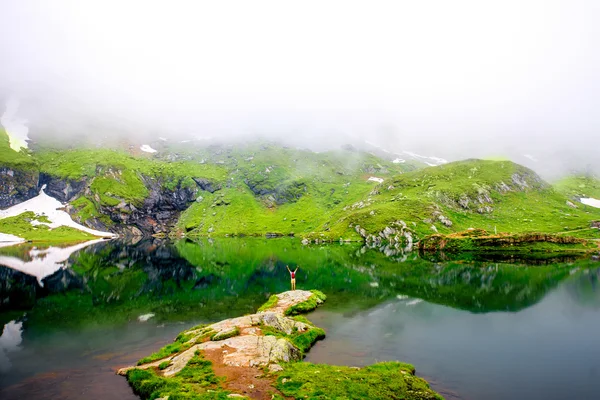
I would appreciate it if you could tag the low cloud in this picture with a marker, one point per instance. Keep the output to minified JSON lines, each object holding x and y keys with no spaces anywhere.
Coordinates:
{"x":452,"y":79}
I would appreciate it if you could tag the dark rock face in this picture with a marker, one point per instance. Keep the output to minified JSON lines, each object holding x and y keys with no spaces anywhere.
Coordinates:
{"x":160,"y":210}
{"x":207,"y":185}
{"x":61,"y":189}
{"x":158,"y":213}
{"x":17,"y":186}
{"x":289,"y":192}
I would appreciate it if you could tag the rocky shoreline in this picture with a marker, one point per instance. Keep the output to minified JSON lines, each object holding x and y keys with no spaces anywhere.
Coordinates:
{"x":259,"y":356}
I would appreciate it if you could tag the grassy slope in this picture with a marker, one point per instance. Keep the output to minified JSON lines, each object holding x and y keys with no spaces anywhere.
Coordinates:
{"x":273,"y":189}
{"x":118,"y":176}
{"x":11,"y":158}
{"x":20,"y":226}
{"x":417,"y":195}
{"x":579,"y":186}
{"x":312,"y":187}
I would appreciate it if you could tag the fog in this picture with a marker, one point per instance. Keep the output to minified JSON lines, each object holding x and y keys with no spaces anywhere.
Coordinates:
{"x":452,"y":79}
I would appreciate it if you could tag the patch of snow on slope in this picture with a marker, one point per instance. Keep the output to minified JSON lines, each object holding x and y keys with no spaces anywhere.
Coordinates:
{"x":398,"y":161}
{"x":10,"y":341}
{"x":43,"y":263}
{"x":43,"y":204}
{"x":532,"y":158}
{"x":590,"y":202}
{"x":431,"y":161}
{"x":375,"y":179}
{"x":147,"y":149}
{"x":15,"y":128}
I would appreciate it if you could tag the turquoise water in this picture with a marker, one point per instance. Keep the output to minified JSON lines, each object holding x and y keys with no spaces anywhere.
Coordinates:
{"x":475,"y":329}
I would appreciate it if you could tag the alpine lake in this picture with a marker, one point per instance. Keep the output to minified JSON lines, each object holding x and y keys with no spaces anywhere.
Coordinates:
{"x":497,"y":326}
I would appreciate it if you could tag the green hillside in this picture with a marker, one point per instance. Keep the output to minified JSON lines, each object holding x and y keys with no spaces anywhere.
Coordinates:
{"x":579,"y":186}
{"x":267,"y":189}
{"x":492,"y":195}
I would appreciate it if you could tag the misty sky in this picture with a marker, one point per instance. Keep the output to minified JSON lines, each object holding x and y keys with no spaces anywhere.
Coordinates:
{"x":455,"y":78}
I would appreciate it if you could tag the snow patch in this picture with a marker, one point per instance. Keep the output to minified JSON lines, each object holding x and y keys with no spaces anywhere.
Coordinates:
{"x":590,"y":202}
{"x":43,"y":204}
{"x":375,"y":179}
{"x":44,"y":262}
{"x":399,"y":161}
{"x":147,"y":149}
{"x":145,"y":317}
{"x":431,"y":161}
{"x":15,"y":127}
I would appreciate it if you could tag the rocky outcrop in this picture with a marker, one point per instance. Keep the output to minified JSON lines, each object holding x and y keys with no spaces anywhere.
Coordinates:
{"x":207,"y":185}
{"x":241,"y":342}
{"x":272,"y":196}
{"x":64,"y":190}
{"x":157,"y":214}
{"x":17,"y":186}
{"x":397,"y":236}
{"x":254,"y":356}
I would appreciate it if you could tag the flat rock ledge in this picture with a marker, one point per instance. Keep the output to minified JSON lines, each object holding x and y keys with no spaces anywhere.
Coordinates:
{"x":242,"y":341}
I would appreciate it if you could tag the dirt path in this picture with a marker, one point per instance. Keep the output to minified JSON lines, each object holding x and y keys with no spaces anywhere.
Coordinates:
{"x":247,"y":381}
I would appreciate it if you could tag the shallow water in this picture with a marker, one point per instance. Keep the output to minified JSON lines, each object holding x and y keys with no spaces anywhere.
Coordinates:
{"x":474,"y":329}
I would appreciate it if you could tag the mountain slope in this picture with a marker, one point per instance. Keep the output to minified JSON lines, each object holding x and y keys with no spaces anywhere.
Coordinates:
{"x":490,"y":195}
{"x":267,"y":189}
{"x":579,"y":186}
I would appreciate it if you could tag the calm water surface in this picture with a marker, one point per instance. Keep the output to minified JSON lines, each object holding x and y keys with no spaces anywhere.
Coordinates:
{"x":483,"y":329}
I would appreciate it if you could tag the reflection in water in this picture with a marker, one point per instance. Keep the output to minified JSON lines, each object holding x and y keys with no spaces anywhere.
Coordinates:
{"x":42,"y":262}
{"x":92,"y":313}
{"x":9,"y":343}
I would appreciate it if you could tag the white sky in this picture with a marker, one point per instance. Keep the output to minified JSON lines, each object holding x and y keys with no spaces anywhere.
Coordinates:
{"x":400,"y":71}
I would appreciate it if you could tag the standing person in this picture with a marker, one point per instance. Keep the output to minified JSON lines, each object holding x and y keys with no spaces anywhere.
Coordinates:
{"x":292,"y":276}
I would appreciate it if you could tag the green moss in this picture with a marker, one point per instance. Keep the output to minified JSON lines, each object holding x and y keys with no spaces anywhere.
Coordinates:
{"x":164,"y":365}
{"x":304,"y":341}
{"x":389,"y":380}
{"x":168,"y":350}
{"x":196,"y":381}
{"x":226,"y":334}
{"x":309,"y":304}
{"x":272,"y":302}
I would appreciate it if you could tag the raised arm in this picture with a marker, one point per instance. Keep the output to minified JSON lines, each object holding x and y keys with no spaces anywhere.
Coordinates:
{"x":288,"y":268}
